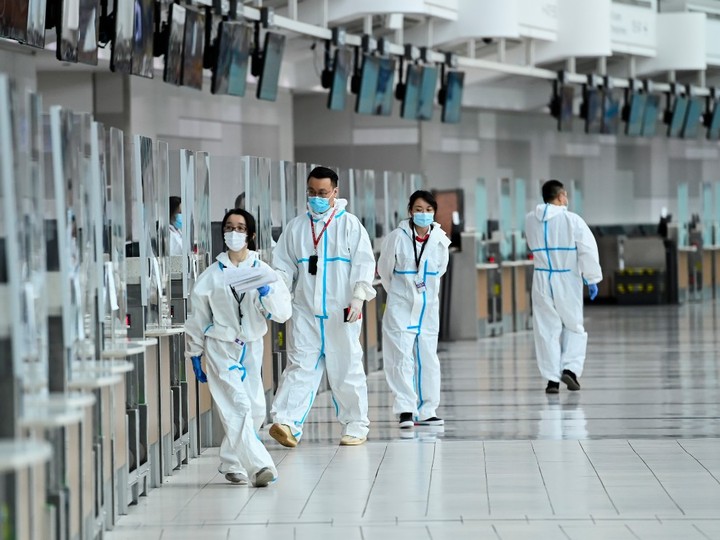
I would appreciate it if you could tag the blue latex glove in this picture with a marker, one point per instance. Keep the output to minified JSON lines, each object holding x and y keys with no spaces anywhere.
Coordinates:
{"x":197,"y":368}
{"x":264,"y":290}
{"x":593,"y":290}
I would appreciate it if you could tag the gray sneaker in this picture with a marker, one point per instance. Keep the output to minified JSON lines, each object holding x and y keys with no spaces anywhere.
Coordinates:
{"x":236,"y":478}
{"x":263,"y":477}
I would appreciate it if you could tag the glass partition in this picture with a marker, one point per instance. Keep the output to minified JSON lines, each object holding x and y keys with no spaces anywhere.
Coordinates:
{"x":201,"y":249}
{"x":519,"y":222}
{"x":162,"y":193}
{"x":115,"y":267}
{"x":258,"y":196}
{"x":506,"y":219}
{"x":481,"y":219}
{"x":716,"y":240}
{"x":707,"y":213}
{"x":682,"y":215}
{"x":187,"y":190}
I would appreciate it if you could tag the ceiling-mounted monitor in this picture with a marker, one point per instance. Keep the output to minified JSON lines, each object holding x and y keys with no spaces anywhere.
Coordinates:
{"x":143,"y":34}
{"x":428,"y":88}
{"x":272,"y":56}
{"x":692,"y":118}
{"x":193,"y":49}
{"x":636,"y":115}
{"x":565,"y":116}
{"x":650,"y":115}
{"x":713,"y":132}
{"x":610,"y":113}
{"x":122,"y":43}
{"x":14,"y":19}
{"x":384,"y":90}
{"x":365,"y":103}
{"x":452,"y":103}
{"x":593,"y":111}
{"x":411,"y":97}
{"x":677,"y":116}
{"x":233,"y":57}
{"x":174,"y":55}
{"x":78,"y":32}
{"x":342,"y":64}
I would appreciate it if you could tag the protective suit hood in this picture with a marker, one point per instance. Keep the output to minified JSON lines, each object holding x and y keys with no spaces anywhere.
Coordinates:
{"x":547,"y":211}
{"x":249,"y":260}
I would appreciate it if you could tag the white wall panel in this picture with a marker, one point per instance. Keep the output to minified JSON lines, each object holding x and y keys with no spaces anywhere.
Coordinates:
{"x":583,"y":30}
{"x":681,"y":43}
{"x":538,"y":19}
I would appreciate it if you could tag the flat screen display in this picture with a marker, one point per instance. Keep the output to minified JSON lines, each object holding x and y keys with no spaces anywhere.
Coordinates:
{"x":428,"y":86}
{"x":122,"y":44}
{"x":174,"y":56}
{"x":714,"y":130}
{"x":341,"y":71}
{"x":692,"y":119}
{"x":567,"y":97}
{"x":677,"y":120}
{"x":365,"y":103}
{"x":453,"y":97}
{"x":142,"y":56}
{"x":272,"y":60}
{"x":384,"y":89}
{"x":409,"y":109}
{"x":35,"y":23}
{"x":88,"y":38}
{"x":650,"y":115}
{"x":594,"y":112}
{"x":637,"y":115}
{"x":193,"y":49}
{"x":14,"y":19}
{"x":234,"y":46}
{"x":611,"y":113}
{"x":69,"y":31}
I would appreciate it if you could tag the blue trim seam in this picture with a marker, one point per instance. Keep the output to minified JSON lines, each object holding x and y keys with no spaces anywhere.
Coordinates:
{"x":337,"y":408}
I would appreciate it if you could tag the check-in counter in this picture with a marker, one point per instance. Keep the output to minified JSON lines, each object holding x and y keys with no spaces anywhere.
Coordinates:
{"x":686,"y":270}
{"x":22,"y":493}
{"x":711,"y":269}
{"x":516,"y":283}
{"x":488,"y":291}
{"x":171,"y":446}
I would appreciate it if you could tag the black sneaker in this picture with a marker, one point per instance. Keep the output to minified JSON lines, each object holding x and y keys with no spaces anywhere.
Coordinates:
{"x":406,"y":420}
{"x":432,"y":421}
{"x":570,"y":379}
{"x":552,"y":387}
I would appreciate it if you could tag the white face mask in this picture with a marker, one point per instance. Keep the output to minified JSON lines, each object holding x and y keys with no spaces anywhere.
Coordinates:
{"x":234,"y":240}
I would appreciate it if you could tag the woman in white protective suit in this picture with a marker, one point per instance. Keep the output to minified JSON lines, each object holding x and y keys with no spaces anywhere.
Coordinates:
{"x":227,"y":328}
{"x":413,"y":259}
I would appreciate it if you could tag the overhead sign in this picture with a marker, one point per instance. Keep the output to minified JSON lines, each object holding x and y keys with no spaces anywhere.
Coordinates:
{"x":633,"y":27}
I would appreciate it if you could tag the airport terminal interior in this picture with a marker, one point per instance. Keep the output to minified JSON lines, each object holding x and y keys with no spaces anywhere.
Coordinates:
{"x":129,"y":128}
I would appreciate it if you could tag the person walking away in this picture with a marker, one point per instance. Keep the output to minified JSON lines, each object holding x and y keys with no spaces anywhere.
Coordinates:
{"x":565,"y":255}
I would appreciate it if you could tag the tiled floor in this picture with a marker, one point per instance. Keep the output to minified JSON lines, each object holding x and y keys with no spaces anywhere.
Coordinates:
{"x":634,"y":454}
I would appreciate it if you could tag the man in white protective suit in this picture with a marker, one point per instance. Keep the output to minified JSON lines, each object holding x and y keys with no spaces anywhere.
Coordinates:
{"x":565,"y":255}
{"x":226,"y":327}
{"x":326,"y":258}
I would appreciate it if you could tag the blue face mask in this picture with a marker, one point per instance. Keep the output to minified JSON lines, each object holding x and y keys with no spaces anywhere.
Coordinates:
{"x":319,"y":205}
{"x":423,"y":219}
{"x":178,"y":221}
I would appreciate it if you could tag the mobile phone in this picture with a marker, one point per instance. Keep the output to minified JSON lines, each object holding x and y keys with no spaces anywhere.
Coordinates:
{"x":346,"y":314}
{"x":312,"y":265}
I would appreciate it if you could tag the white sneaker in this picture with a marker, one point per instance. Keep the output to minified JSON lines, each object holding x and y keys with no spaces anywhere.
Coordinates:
{"x":349,"y":440}
{"x":236,"y":478}
{"x":263,"y":477}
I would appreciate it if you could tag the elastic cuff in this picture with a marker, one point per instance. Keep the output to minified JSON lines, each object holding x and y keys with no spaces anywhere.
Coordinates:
{"x":364,"y":291}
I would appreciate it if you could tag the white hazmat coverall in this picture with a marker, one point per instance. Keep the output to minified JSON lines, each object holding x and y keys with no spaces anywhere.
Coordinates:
{"x":412,"y":318}
{"x":233,"y":358}
{"x":565,"y":253}
{"x":320,"y":339}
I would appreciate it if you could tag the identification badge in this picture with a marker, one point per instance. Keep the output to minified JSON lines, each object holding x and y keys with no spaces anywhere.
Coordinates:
{"x":420,"y":286}
{"x":312,"y":265}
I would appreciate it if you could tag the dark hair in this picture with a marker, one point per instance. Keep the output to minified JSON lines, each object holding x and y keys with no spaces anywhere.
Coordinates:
{"x":174,"y":205}
{"x":323,"y":172}
{"x":249,"y":224}
{"x":551,"y":190}
{"x":240,"y":200}
{"x":424,"y":195}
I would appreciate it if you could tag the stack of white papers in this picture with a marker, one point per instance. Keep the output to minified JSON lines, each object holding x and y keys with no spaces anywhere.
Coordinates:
{"x":247,"y":279}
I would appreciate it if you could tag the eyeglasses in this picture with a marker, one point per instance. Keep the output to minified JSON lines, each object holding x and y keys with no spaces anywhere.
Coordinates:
{"x":323,"y":194}
{"x":239,"y":228}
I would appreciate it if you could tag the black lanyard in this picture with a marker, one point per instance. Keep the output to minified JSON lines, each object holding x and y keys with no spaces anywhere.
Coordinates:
{"x":422,"y":249}
{"x":239,"y":300}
